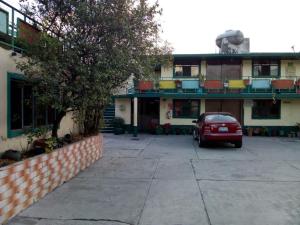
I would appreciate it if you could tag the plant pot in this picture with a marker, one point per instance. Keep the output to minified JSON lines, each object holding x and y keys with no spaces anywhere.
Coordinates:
{"x":12,"y":155}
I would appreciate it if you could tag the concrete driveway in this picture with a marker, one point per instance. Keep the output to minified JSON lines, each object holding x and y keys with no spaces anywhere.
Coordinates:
{"x":169,"y":180}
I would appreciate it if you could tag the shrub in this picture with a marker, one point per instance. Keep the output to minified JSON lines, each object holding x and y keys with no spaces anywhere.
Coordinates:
{"x":118,"y":122}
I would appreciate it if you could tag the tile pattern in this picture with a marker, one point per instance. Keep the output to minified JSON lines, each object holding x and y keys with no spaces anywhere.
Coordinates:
{"x":24,"y":183}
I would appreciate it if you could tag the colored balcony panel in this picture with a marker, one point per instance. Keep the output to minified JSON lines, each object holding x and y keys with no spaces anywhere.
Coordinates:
{"x":190,"y":84}
{"x":167,"y":84}
{"x":236,"y":84}
{"x":283,"y":84}
{"x":145,"y":85}
{"x":261,"y":84}
{"x":213,"y":84}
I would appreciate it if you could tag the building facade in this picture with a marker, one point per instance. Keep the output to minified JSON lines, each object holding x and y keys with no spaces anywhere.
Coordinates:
{"x":262,"y":90}
{"x":18,"y":110}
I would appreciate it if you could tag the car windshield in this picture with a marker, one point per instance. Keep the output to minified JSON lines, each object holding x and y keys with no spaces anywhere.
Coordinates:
{"x":220,"y":118}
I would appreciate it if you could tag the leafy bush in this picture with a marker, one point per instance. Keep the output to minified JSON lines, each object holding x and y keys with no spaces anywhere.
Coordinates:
{"x":118,"y":122}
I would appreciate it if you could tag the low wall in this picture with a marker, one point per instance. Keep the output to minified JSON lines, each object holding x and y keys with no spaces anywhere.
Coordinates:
{"x":25,"y":182}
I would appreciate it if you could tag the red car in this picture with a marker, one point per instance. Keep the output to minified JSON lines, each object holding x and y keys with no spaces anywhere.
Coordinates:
{"x":218,"y":127}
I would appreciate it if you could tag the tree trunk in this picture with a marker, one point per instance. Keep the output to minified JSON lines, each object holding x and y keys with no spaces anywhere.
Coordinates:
{"x":56,"y":123}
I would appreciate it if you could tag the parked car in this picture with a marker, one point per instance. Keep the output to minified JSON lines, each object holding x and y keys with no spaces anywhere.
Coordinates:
{"x":218,"y":127}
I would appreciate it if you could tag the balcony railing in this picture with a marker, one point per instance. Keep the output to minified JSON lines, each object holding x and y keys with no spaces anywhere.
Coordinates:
{"x":14,"y":24}
{"x":245,"y":86}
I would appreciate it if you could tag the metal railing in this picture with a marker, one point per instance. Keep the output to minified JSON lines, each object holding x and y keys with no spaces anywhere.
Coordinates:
{"x":13,"y":15}
{"x":225,"y":89}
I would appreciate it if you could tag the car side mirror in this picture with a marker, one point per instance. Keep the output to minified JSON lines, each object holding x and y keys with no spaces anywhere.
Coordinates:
{"x":194,"y":121}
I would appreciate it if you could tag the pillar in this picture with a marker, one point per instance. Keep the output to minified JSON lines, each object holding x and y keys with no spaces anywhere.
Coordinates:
{"x":135,"y":116}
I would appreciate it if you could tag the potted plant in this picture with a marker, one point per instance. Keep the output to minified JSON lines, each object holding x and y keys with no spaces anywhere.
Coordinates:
{"x":201,"y":80}
{"x":167,"y":128}
{"x":118,"y":124}
{"x":159,"y":130}
{"x":178,"y":84}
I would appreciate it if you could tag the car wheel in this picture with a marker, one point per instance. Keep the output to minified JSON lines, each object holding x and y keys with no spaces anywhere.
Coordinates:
{"x":201,"y":143}
{"x":238,"y":144}
{"x":195,"y":135}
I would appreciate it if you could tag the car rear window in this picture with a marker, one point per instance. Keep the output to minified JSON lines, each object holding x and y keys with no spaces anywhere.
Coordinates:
{"x":220,"y":118}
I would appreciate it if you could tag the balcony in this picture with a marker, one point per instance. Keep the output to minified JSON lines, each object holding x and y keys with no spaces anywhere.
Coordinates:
{"x":15,"y":27}
{"x":247,"y":88}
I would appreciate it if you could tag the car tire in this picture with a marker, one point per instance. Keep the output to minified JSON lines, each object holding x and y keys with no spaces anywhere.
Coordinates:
{"x":195,"y":135}
{"x":201,"y":143}
{"x":238,"y":144}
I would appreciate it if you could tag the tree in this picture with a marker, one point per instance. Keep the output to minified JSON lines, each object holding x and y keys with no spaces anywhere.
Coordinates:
{"x":87,"y":49}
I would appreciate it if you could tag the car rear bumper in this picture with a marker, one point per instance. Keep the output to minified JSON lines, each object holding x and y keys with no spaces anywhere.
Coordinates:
{"x":222,"y":137}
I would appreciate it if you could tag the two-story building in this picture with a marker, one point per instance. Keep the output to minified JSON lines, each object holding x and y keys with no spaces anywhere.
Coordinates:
{"x":262,"y":90}
{"x":18,"y":110}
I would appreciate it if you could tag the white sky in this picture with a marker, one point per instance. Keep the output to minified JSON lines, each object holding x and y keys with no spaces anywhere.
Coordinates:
{"x":191,"y":26}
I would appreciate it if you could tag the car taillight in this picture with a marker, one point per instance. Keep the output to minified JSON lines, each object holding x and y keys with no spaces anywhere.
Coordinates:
{"x":207,"y":129}
{"x":239,"y":130}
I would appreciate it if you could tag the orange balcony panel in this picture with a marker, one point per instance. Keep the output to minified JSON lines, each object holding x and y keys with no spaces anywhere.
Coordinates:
{"x":283,"y":84}
{"x":213,"y":84}
{"x":144,"y":85}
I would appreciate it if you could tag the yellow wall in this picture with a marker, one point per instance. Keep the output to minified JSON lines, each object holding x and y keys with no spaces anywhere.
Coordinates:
{"x":203,"y":67}
{"x":123,"y":109}
{"x":283,"y":68}
{"x":166,"y":104}
{"x":8,"y":64}
{"x":290,"y":111}
{"x":246,"y":69}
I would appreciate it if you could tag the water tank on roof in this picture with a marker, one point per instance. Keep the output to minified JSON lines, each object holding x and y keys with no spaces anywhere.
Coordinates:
{"x":235,"y":37}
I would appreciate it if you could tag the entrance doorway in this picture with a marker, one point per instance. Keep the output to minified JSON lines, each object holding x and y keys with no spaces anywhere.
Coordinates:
{"x":148,"y":113}
{"x":232,"y":106}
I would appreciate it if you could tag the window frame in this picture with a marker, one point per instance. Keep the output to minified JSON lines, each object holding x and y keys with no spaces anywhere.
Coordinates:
{"x":17,"y":132}
{"x":7,"y":20}
{"x":188,"y":64}
{"x":270,"y":64}
{"x":266,"y":118}
{"x":187,"y":117}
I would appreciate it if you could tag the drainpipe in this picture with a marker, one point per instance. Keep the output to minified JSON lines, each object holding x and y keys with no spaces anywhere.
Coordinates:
{"x":135,"y":116}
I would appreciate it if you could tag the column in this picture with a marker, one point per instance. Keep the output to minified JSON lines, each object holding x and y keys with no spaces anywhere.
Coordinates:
{"x":135,"y":116}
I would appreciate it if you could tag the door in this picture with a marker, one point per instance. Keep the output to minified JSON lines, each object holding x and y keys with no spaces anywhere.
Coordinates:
{"x":148,"y":113}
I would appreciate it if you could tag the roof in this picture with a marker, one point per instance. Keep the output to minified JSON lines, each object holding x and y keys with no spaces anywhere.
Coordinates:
{"x":250,"y":55}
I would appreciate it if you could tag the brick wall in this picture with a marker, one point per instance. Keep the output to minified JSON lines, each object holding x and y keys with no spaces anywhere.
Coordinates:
{"x":23,"y":183}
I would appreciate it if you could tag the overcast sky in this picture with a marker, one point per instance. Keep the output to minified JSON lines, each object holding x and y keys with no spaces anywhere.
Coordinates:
{"x":191,"y":26}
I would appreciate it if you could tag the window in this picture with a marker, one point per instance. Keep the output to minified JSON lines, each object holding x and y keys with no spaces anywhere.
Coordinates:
{"x":266,"y":68}
{"x":24,"y":111}
{"x":3,"y":21}
{"x":223,"y":70}
{"x":220,"y":118}
{"x":186,"y":70}
{"x":266,"y":109}
{"x":185,"y":108}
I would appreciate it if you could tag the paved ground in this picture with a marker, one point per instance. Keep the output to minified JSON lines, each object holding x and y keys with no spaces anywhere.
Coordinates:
{"x":168,"y":180}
